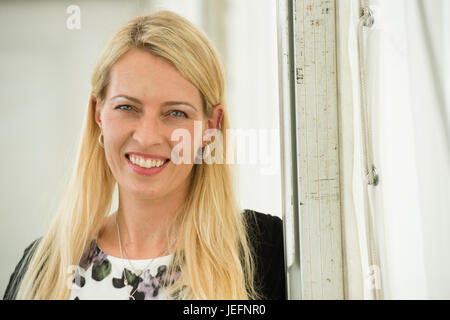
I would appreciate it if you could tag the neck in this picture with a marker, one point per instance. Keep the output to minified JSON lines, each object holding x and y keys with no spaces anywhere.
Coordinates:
{"x":144,"y":223}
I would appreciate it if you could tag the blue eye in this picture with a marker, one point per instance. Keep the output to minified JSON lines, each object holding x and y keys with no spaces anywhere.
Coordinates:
{"x":124,"y":105}
{"x":179,"y":113}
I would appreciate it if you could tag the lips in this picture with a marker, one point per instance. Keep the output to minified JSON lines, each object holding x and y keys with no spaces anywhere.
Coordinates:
{"x":127,"y":156}
{"x":146,"y":156}
{"x":147,"y":171}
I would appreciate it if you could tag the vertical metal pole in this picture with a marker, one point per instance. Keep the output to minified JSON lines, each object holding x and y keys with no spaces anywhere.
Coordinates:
{"x":288,"y":148}
{"x":309,"y":106}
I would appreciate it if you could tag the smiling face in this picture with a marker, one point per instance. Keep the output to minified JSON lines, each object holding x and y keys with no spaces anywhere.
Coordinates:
{"x":146,"y":100}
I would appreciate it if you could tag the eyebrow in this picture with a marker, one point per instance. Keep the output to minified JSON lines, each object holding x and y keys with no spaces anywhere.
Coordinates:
{"x":165,"y":104}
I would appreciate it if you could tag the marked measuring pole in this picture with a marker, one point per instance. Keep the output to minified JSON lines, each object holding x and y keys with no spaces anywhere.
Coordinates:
{"x":314,"y":138}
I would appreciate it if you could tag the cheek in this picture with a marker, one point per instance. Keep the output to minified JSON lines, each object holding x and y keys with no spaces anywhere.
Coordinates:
{"x":116,"y":125}
{"x":114,"y":138}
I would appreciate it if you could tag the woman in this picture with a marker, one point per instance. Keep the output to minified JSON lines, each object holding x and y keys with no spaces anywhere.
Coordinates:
{"x":178,"y":232}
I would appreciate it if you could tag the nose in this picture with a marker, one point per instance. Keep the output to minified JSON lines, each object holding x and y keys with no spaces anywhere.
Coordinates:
{"x":149,"y":130}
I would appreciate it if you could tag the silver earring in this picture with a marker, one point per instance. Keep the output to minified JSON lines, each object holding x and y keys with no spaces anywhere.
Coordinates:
{"x":207,"y":150}
{"x":100,"y":141}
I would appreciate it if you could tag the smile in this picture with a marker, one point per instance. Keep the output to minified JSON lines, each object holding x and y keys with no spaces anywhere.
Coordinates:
{"x":146,"y":167}
{"x":149,"y":163}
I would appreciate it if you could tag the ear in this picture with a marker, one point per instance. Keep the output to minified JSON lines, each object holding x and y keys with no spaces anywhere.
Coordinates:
{"x":214,"y":122}
{"x":97,"y":113}
{"x":216,"y":119}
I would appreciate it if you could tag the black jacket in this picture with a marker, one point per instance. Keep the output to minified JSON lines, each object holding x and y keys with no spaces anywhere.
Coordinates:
{"x":266,"y":237}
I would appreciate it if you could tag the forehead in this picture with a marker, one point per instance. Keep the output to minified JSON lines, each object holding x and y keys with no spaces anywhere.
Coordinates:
{"x":151,"y":79}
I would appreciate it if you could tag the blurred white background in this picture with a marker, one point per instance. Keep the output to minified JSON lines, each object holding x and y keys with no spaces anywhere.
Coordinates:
{"x":45,"y":84}
{"x":407,"y":62}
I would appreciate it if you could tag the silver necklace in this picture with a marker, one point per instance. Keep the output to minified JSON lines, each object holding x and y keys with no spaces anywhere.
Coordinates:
{"x":138,"y":272}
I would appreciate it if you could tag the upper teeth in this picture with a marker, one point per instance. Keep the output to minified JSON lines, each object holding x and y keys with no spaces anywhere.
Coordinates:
{"x":146,"y":163}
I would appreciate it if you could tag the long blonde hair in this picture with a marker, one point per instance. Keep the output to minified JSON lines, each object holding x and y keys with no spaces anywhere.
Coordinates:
{"x":212,"y":249}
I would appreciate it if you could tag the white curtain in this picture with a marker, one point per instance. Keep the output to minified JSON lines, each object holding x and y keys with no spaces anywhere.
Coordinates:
{"x":406,"y":219}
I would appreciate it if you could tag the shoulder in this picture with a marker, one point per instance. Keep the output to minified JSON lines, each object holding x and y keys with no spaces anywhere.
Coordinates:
{"x":19,"y":271}
{"x":264,"y":229}
{"x":265,"y":233}
{"x":266,"y":221}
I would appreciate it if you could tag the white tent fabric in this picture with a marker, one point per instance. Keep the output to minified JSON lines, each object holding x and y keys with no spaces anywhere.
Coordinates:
{"x":407,"y":61}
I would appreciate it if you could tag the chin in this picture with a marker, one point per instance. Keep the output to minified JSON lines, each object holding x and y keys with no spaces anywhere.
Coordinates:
{"x":147,"y":194}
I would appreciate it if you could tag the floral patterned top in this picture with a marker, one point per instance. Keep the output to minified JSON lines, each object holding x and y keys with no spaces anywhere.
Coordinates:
{"x":101,"y":276}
